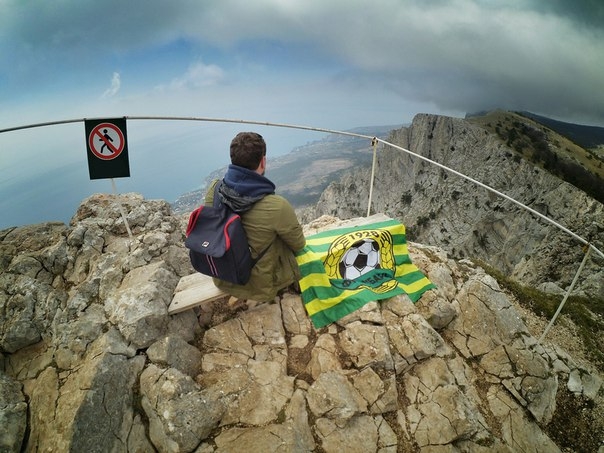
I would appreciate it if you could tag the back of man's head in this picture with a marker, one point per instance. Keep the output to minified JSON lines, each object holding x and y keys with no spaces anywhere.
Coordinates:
{"x":247,"y":150}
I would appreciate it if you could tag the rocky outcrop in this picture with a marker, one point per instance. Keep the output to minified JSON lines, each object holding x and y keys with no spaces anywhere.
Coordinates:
{"x":443,"y":209}
{"x":91,"y":360}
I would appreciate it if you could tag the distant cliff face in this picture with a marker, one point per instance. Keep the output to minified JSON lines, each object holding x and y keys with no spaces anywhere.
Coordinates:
{"x":442,"y":209}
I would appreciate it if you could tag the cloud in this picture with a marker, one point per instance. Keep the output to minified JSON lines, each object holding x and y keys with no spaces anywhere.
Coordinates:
{"x":114,"y":88}
{"x":453,"y":54}
{"x":587,"y":13}
{"x":198,"y":75}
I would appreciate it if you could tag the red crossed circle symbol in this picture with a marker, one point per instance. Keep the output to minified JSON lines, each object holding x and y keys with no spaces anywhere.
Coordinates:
{"x":106,"y":141}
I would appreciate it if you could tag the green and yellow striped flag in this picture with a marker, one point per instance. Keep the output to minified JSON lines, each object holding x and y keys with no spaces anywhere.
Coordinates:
{"x":343,"y":269}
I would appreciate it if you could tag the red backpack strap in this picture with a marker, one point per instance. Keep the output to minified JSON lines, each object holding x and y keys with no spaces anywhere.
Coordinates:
{"x":193,"y":220}
{"x":227,"y":237}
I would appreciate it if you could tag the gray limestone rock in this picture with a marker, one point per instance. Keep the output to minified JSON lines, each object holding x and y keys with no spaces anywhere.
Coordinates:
{"x":13,"y":414}
{"x":333,"y":396}
{"x":174,"y":352}
{"x":86,"y":333}
{"x":140,"y":305}
{"x":181,"y":414}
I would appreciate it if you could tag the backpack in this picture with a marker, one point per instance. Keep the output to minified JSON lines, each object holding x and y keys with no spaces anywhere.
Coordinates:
{"x":217,"y":243}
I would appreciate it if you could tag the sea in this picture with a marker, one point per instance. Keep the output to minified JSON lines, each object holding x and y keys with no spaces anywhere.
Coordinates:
{"x":45,"y":174}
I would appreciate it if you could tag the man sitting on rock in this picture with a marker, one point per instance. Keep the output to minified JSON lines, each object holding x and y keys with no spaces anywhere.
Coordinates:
{"x":269,"y":221}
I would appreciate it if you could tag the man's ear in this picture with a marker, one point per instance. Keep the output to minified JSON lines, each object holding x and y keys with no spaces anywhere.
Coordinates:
{"x":261,"y":166}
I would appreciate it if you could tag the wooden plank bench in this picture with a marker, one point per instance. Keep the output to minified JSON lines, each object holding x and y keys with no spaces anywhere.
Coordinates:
{"x":193,"y":290}
{"x":198,"y":289}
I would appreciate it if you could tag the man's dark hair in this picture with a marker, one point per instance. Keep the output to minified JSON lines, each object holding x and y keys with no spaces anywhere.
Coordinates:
{"x":247,"y":150}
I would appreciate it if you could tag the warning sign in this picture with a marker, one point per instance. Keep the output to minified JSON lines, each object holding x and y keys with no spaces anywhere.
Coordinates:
{"x":106,"y":141}
{"x":107,"y":148}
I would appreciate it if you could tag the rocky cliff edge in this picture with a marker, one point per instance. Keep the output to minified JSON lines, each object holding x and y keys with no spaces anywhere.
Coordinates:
{"x":91,"y":361}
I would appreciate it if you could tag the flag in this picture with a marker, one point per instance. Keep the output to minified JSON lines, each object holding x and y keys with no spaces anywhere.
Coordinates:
{"x":343,"y":269}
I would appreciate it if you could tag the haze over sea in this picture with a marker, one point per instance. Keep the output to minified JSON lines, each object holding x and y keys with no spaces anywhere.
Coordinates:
{"x":49,"y":178}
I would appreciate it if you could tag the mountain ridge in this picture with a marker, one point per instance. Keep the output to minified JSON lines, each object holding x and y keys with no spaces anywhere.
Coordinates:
{"x":586,"y":136}
{"x":444,"y":210}
{"x":548,"y":149}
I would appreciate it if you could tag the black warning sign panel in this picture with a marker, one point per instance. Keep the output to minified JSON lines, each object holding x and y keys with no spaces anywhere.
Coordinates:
{"x":107,"y":148}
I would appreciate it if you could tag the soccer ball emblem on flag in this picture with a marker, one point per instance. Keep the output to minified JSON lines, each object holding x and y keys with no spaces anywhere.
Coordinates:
{"x":363,"y":256}
{"x":362,"y":260}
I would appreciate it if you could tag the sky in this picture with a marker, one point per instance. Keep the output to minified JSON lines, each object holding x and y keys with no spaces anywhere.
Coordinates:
{"x":330,"y":64}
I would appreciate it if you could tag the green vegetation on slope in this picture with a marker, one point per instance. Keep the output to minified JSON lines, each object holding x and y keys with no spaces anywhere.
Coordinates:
{"x":586,"y":136}
{"x":557,"y":154}
{"x":587,"y":314}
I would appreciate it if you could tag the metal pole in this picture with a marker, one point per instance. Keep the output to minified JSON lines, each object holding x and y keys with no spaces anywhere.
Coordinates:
{"x":122,"y":211}
{"x":374,"y":143}
{"x":572,"y":285}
